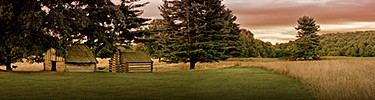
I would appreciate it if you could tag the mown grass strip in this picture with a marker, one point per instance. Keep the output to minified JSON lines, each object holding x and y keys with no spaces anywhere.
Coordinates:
{"x":229,"y":83}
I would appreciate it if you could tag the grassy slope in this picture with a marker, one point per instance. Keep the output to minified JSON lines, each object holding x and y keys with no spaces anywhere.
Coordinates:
{"x":229,"y":83}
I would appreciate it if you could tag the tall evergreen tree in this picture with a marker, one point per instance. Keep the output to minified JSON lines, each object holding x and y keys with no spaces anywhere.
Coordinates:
{"x":307,"y":44}
{"x":199,"y":31}
{"x":156,"y":44}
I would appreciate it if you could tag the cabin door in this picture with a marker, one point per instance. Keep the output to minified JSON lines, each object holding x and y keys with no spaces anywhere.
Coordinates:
{"x":53,"y":66}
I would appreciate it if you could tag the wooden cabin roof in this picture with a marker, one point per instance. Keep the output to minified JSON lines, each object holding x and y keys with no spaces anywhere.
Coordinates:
{"x":135,"y":57}
{"x":51,"y":55}
{"x":80,"y":54}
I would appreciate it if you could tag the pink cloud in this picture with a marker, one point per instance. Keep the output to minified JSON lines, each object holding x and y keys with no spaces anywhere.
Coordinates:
{"x":273,"y":17}
{"x":287,"y":16}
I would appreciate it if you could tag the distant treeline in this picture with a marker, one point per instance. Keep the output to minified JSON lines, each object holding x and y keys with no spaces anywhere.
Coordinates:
{"x":308,"y":45}
{"x":357,"y":44}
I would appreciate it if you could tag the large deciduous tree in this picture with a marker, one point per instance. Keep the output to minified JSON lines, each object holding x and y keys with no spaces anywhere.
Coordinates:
{"x":248,"y":46}
{"x":307,"y":44}
{"x":199,"y":31}
{"x":100,"y":24}
{"x":28,"y":28}
{"x":21,"y":31}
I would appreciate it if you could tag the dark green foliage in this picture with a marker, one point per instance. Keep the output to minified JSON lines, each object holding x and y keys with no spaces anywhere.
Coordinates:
{"x":251,"y":47}
{"x":27,"y":30}
{"x":248,"y":44}
{"x":156,"y":44}
{"x":284,"y":50}
{"x":99,"y":24}
{"x":21,"y":31}
{"x":357,"y":44}
{"x":199,"y":31}
{"x":265,"y":49}
{"x":307,"y":44}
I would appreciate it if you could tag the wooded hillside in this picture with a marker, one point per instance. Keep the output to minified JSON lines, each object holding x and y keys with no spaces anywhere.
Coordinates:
{"x":357,"y":44}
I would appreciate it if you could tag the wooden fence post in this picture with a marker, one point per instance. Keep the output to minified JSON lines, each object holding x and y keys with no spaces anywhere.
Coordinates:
{"x":127,"y":67}
{"x":152,"y":67}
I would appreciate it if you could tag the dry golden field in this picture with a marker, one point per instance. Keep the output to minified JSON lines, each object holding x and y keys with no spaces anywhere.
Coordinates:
{"x":24,"y":66}
{"x":342,"y":78}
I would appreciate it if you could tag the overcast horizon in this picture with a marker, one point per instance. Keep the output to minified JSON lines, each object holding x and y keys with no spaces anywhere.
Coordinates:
{"x":274,"y":20}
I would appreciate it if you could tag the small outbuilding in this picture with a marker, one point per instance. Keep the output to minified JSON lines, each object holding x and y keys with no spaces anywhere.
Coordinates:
{"x":131,"y":62}
{"x":53,"y":62}
{"x":79,"y":58}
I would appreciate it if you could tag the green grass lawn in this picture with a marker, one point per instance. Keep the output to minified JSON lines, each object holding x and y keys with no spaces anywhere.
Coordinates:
{"x":223,"y":84}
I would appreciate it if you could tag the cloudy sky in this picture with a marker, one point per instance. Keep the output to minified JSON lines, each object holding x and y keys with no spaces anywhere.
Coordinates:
{"x":274,"y":20}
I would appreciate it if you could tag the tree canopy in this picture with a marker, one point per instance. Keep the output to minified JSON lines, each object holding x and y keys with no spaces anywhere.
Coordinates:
{"x":356,"y":44}
{"x":199,"y":31}
{"x":99,"y":24}
{"x":29,"y":28}
{"x":307,"y":44}
{"x":156,"y":44}
{"x":21,"y":31}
